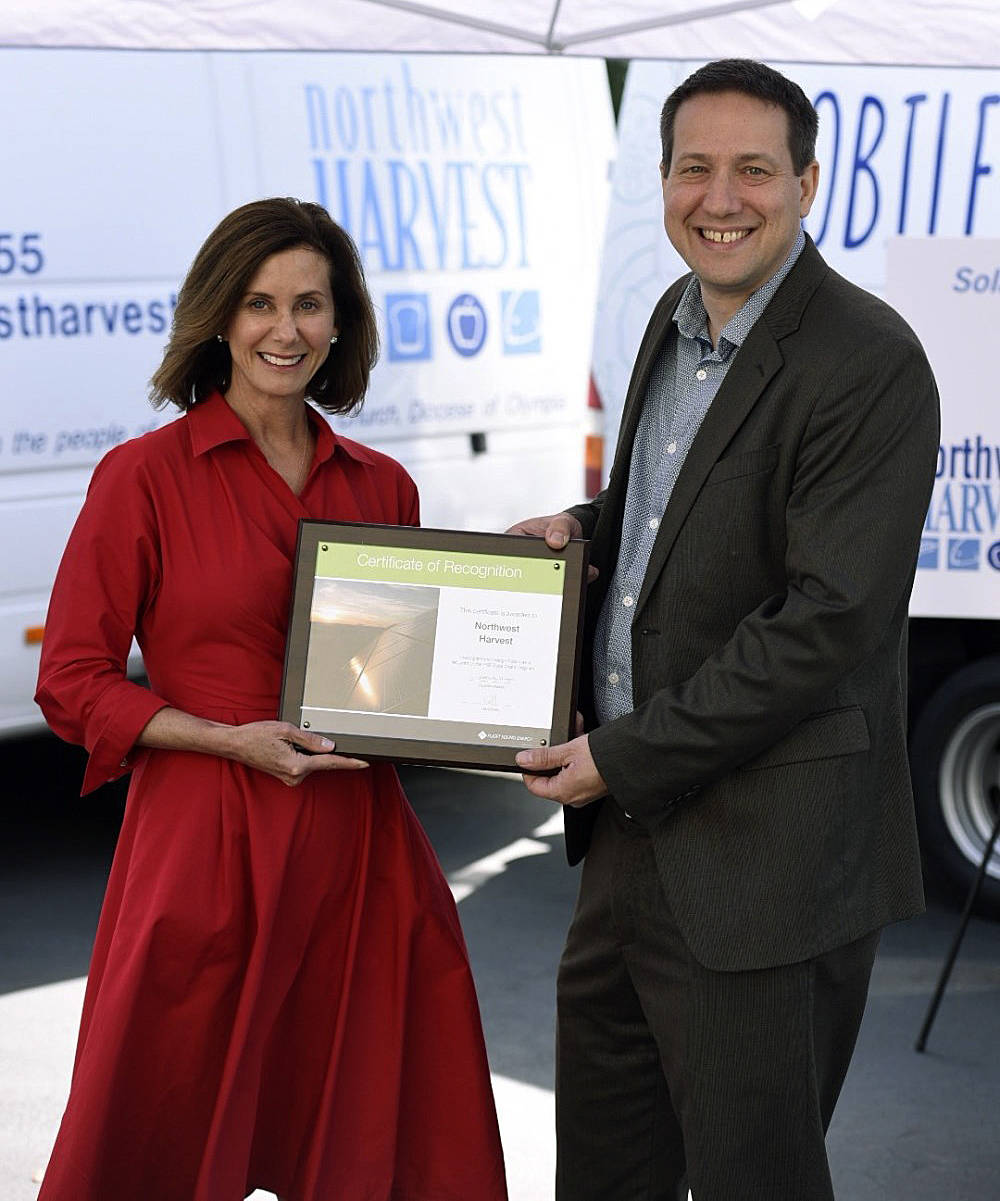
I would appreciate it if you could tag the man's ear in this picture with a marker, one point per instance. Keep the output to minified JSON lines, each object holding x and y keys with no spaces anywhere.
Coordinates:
{"x":809,"y":180}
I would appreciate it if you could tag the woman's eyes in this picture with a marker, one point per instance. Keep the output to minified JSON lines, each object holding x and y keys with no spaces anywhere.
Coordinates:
{"x":259,"y":305}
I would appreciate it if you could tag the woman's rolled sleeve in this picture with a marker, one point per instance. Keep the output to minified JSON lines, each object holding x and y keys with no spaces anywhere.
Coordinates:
{"x":114,"y":724}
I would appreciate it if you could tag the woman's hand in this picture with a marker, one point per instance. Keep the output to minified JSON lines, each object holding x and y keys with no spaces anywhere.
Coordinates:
{"x":285,"y":752}
{"x":276,"y":747}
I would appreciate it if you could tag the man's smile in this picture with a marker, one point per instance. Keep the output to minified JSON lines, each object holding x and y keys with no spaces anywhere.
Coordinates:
{"x":724,"y":235}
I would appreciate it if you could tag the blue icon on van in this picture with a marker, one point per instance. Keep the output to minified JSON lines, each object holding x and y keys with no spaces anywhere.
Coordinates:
{"x":466,"y":324}
{"x":408,"y":327}
{"x":963,"y":554}
{"x":521,"y":330}
{"x":929,"y":557}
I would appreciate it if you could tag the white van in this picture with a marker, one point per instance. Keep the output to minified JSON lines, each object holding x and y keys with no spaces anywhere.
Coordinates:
{"x":479,"y":228}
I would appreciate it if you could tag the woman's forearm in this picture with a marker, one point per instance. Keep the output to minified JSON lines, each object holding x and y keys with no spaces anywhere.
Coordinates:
{"x":276,"y":747}
{"x":174,"y":730}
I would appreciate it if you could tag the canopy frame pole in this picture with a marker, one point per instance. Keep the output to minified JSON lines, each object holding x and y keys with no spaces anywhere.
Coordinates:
{"x":454,"y":18}
{"x":688,"y":17}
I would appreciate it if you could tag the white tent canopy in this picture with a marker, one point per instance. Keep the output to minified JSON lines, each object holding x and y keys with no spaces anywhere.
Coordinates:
{"x":914,"y":32}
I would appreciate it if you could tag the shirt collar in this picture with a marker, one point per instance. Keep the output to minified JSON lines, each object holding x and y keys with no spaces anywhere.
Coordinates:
{"x":213,"y":423}
{"x":692,"y":320}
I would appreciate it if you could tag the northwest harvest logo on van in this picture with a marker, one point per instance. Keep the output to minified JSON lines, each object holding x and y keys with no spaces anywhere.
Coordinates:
{"x":963,"y":517}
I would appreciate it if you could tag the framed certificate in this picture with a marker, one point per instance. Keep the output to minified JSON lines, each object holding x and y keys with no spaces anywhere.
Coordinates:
{"x":433,"y":646}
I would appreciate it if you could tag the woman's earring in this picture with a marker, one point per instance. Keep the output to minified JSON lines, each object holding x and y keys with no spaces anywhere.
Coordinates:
{"x":219,"y":338}
{"x":333,"y":339}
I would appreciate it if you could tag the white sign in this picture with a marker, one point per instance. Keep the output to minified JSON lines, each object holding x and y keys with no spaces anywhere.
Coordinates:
{"x":949,"y":291}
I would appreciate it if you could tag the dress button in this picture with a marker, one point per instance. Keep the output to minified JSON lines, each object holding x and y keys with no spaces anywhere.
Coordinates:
{"x":654,"y":523}
{"x":701,"y":373}
{"x":671,"y":449}
{"x":628,"y":601}
{"x":613,"y":677}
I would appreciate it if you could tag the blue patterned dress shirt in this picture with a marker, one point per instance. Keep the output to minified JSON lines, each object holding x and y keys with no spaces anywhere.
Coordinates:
{"x":682,"y":384}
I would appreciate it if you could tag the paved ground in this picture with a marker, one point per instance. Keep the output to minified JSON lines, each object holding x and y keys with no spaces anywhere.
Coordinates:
{"x":909,"y":1127}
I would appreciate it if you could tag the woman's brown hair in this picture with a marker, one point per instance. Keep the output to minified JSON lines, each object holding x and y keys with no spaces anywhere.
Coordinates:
{"x":196,"y":363}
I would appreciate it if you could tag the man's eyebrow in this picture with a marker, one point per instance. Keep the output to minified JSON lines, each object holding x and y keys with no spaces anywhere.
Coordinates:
{"x":745,"y":157}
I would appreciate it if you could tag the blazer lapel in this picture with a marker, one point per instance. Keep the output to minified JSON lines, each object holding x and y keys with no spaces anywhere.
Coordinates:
{"x":607,"y":538}
{"x":660,"y":325}
{"x":740,"y":391}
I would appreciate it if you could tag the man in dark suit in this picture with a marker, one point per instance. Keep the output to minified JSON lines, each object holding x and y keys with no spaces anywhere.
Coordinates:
{"x":742,"y":796}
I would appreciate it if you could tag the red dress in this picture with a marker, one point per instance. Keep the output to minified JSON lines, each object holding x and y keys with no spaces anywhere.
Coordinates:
{"x":280,"y":995}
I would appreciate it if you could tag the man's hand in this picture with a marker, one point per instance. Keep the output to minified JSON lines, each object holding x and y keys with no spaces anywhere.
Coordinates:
{"x":556,"y":529}
{"x":577,"y":781}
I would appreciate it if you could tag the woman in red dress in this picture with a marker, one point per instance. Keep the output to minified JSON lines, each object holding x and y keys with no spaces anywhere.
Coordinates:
{"x":280,"y":995}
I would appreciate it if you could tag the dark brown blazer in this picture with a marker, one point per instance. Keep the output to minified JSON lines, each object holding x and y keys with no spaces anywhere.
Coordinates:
{"x":766,"y":752}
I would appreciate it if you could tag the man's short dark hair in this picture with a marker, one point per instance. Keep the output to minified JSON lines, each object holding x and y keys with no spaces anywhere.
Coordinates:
{"x":751,"y":78}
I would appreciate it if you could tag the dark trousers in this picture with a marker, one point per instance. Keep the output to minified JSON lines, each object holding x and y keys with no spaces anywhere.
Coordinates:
{"x":671,"y":1076}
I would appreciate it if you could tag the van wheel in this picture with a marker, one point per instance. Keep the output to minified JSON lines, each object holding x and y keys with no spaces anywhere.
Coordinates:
{"x":955,"y":760}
